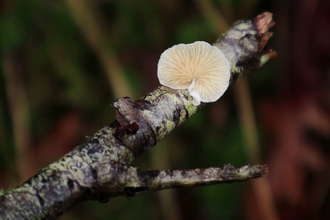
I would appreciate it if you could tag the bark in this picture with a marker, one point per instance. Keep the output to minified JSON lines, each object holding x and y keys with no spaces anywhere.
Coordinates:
{"x":99,"y":168}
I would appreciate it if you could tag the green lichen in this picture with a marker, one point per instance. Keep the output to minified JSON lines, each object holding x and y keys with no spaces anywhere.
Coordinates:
{"x":2,"y":192}
{"x":242,"y":26}
{"x":263,"y":60}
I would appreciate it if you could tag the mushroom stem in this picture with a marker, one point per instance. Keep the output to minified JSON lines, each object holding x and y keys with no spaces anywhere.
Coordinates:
{"x":195,"y":95}
{"x":197,"y":98}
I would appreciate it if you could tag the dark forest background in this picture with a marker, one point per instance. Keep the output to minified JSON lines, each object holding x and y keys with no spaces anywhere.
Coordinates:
{"x":64,"y":62}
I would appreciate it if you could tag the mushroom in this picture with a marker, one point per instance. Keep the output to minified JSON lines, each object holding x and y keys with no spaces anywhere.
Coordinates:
{"x":199,"y":67}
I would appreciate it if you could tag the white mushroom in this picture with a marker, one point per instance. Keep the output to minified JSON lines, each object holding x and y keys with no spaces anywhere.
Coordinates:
{"x":199,"y":67}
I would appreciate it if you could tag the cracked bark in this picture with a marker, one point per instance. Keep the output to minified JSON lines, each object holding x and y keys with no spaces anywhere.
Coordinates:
{"x":99,"y":168}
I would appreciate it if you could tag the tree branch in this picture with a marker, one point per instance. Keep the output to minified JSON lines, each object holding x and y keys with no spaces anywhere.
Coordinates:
{"x":98,"y":168}
{"x":154,"y":180}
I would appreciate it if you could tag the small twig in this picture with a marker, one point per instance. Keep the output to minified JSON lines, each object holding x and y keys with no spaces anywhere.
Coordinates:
{"x":154,"y":180}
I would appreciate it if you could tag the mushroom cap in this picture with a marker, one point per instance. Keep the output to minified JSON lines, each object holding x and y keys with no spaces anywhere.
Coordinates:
{"x":199,"y":67}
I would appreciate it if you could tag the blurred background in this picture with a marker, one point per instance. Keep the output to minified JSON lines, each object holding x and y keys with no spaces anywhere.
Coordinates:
{"x":64,"y":62}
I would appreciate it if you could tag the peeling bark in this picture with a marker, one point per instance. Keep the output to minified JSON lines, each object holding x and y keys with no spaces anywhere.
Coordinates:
{"x":98,"y":168}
